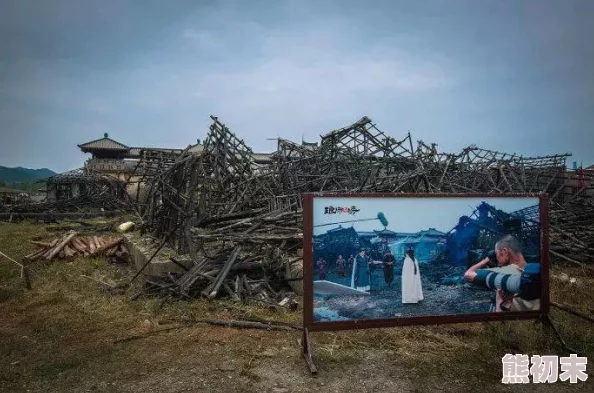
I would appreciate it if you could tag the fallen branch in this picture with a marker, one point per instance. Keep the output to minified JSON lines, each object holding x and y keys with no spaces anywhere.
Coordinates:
{"x":241,"y":324}
{"x":567,"y":258}
{"x":137,"y":336}
{"x":216,"y":322}
{"x":277,"y":323}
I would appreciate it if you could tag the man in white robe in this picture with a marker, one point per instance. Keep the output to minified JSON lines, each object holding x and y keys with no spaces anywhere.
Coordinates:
{"x":412,"y":289}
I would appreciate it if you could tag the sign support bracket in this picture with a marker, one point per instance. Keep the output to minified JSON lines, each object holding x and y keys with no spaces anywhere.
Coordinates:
{"x":547,"y":321}
{"x":307,"y":352}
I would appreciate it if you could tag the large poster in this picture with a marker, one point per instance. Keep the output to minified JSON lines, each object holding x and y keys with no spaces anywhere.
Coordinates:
{"x":378,"y":258}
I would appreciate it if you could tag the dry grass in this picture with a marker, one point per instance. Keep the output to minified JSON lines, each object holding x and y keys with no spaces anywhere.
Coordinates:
{"x":472,"y":352}
{"x":61,"y":333}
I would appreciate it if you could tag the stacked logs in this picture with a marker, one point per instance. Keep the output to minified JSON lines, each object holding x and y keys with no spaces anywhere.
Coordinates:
{"x":72,"y":244}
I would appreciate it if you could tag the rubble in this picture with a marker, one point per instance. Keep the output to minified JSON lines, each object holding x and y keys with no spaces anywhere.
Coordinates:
{"x":239,"y":219}
{"x":230,"y":214}
{"x":79,"y":191}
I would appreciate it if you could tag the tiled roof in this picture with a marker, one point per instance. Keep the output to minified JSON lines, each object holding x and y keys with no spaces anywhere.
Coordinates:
{"x":197,"y":148}
{"x":433,"y":232}
{"x":386,"y":232}
{"x":337,"y":229}
{"x":262,"y":157}
{"x":104,"y":143}
{"x":134,"y":151}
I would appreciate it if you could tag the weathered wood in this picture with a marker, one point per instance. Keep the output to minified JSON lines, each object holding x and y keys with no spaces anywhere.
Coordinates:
{"x":68,"y":252}
{"x":79,"y":245}
{"x":92,"y":246}
{"x":240,"y":324}
{"x":42,"y":244}
{"x":212,"y":290}
{"x":567,"y":258}
{"x":230,"y":200}
{"x":60,"y":246}
{"x":35,"y":255}
{"x":231,"y":292}
{"x":107,"y":246}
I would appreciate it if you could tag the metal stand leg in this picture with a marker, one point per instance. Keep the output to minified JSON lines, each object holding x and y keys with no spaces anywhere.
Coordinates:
{"x":546,"y":320}
{"x":572,"y":312}
{"x":307,"y":352}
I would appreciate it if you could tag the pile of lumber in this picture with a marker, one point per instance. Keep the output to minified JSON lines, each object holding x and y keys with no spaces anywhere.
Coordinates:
{"x":572,"y":231}
{"x":72,"y":244}
{"x":245,"y":259}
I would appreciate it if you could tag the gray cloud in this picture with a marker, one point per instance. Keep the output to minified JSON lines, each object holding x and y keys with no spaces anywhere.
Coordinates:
{"x":506,"y":75}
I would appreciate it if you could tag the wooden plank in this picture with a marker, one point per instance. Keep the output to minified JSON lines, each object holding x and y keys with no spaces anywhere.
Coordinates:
{"x":212,"y":290}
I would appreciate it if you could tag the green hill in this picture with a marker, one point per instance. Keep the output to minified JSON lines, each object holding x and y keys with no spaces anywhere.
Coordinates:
{"x":23,"y":178}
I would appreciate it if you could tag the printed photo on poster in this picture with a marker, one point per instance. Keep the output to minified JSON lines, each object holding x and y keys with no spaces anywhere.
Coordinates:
{"x":398,"y":257}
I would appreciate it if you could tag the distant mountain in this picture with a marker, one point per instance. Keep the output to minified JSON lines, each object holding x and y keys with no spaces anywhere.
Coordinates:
{"x":23,"y":175}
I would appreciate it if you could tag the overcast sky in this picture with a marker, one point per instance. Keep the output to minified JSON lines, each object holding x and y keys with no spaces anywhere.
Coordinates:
{"x":407,"y":214}
{"x":506,"y":75}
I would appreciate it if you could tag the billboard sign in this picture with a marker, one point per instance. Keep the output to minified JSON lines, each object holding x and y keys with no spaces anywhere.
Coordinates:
{"x":373,"y":260}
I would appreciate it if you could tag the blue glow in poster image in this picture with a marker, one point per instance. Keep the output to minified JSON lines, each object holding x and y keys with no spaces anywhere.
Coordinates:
{"x":377,"y":258}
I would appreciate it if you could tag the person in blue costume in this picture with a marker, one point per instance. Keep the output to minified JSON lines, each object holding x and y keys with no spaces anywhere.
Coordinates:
{"x":360,"y":279}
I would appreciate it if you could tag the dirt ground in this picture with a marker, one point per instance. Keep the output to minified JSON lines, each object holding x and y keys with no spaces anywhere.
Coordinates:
{"x":61,"y":337}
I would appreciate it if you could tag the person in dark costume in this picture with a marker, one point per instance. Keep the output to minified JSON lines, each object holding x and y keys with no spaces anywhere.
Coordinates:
{"x":349,"y":266}
{"x":322,"y":266}
{"x":388,"y":267}
{"x":340,"y":266}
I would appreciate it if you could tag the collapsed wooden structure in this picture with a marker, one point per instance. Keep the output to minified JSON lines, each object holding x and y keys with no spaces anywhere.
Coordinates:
{"x":79,"y":190}
{"x":151,"y":163}
{"x":225,"y":210}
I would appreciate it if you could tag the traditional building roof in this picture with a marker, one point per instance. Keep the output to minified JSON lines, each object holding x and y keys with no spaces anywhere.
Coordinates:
{"x":337,"y":229}
{"x":135,"y":151}
{"x":104,"y":143}
{"x":262,"y":158}
{"x":196,"y":149}
{"x":66,"y":177}
{"x":432,"y":232}
{"x":386,"y":232}
{"x":81,"y":175}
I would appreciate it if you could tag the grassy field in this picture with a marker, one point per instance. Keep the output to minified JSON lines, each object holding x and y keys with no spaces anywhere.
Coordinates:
{"x":61,"y":337}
